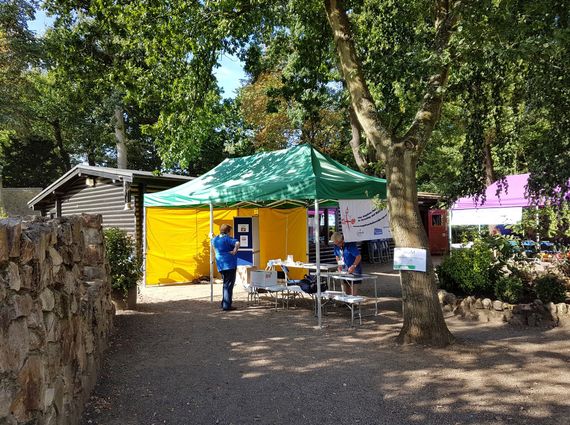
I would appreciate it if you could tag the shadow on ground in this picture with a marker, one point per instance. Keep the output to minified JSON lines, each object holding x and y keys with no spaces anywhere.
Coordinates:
{"x":179,"y":360}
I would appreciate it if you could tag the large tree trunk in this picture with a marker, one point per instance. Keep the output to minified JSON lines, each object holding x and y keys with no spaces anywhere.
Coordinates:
{"x":59,"y":142}
{"x":121,"y":138}
{"x":423,"y":317}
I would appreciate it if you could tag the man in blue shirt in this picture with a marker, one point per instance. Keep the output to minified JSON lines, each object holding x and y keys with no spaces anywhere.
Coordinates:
{"x":226,"y":249}
{"x":348,"y":259}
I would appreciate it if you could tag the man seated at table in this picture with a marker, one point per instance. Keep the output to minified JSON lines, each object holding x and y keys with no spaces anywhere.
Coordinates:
{"x":348,"y":259}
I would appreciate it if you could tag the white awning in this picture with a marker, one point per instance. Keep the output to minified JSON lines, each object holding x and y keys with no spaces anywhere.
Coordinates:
{"x":511,"y":215}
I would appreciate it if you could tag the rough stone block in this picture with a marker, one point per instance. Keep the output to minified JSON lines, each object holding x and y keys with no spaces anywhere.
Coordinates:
{"x":49,"y":417}
{"x":478,"y":304}
{"x":56,"y":259}
{"x":30,"y":395}
{"x":92,"y":220}
{"x":507,"y":315}
{"x":7,"y":393}
{"x":35,"y":319}
{"x":14,"y":277}
{"x":47,"y":299}
{"x":94,"y":273}
{"x":10,"y":232}
{"x":22,"y":305}
{"x":14,"y":346}
{"x":37,"y":339}
{"x":27,"y":249}
{"x":65,"y":233}
{"x":92,"y":236}
{"x":4,"y":245}
{"x":487,"y":303}
{"x":533,"y":319}
{"x":517,"y":320}
{"x":53,"y":328}
{"x":562,"y":308}
{"x":497,"y":305}
{"x":450,"y":299}
{"x":46,"y":275}
{"x":93,"y":254}
{"x":27,"y":277}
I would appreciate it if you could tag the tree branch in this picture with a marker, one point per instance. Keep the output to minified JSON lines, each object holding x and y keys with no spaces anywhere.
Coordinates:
{"x":355,"y":140}
{"x":429,"y":112}
{"x":361,"y":99}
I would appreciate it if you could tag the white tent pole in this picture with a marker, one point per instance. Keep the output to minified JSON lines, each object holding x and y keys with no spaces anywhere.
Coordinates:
{"x":450,"y":231}
{"x":211,"y":252}
{"x":318,"y":260}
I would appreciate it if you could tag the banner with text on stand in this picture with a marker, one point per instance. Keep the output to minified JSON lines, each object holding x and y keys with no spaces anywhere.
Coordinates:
{"x":362,"y":221}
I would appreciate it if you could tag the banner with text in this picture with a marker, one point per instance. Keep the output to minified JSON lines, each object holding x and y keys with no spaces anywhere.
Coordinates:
{"x":361,"y":221}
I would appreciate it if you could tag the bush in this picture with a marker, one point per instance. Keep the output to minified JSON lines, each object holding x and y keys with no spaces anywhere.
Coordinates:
{"x":550,"y":288}
{"x":125,"y":265}
{"x":468,"y":270}
{"x":509,"y":289}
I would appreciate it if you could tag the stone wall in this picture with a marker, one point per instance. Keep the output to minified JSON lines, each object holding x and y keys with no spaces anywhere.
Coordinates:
{"x":487,"y":310}
{"x":55,"y":317}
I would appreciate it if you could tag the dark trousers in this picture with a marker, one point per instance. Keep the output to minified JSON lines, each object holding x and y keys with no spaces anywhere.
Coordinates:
{"x":229,"y":277}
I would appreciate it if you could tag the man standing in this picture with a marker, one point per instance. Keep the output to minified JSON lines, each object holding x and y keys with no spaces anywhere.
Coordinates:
{"x":226,"y":249}
{"x":348,"y":258}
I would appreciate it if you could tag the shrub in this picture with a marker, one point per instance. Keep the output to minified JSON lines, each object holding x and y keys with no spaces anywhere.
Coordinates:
{"x":125,"y":265}
{"x":550,"y":288}
{"x":509,"y":289}
{"x":467,"y":270}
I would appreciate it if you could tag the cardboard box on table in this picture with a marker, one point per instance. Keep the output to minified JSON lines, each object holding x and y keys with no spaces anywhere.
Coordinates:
{"x":263,"y":277}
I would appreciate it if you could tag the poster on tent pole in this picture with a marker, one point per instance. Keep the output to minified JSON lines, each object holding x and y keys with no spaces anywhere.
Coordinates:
{"x":361,"y":221}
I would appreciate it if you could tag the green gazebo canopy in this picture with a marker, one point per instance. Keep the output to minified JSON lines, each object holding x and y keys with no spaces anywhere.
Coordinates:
{"x":288,"y":177}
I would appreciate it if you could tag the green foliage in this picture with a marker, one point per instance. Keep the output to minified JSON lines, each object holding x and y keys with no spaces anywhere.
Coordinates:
{"x":125,"y":265}
{"x":21,"y":158}
{"x":509,"y":289}
{"x":550,"y":288}
{"x":547,"y":222}
{"x":468,"y":271}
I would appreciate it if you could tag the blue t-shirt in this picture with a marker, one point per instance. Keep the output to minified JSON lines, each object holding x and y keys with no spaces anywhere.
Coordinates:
{"x":224,"y":244}
{"x":348,"y":253}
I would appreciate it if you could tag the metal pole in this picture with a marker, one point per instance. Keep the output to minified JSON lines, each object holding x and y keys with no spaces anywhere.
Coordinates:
{"x":211,"y":253}
{"x":318,"y":260}
{"x":450,"y":231}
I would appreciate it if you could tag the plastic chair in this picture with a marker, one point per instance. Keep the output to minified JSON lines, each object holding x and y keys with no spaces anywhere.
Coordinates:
{"x":530,"y":248}
{"x":373,"y":252}
{"x":293,"y":287}
{"x":384,"y":250}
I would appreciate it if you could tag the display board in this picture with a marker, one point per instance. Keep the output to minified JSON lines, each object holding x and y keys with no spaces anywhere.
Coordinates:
{"x":362,"y":221}
{"x":246,"y":231}
{"x":413,"y":259}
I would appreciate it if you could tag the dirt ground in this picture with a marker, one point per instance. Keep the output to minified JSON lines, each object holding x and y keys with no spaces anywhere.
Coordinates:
{"x":178,"y":359}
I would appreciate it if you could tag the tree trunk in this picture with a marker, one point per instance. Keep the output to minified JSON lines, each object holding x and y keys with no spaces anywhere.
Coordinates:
{"x":59,"y":142}
{"x":120,"y":137}
{"x":355,"y":140}
{"x":423,"y":317}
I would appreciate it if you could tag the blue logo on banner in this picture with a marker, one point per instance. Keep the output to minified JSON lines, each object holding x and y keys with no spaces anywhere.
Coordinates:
{"x":377,"y":231}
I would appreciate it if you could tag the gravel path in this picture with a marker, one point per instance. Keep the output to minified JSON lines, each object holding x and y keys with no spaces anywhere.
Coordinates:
{"x":179,"y":360}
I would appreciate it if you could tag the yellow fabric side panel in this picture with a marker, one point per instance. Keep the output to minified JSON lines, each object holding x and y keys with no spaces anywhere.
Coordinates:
{"x":283,"y":232}
{"x":178,"y":248}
